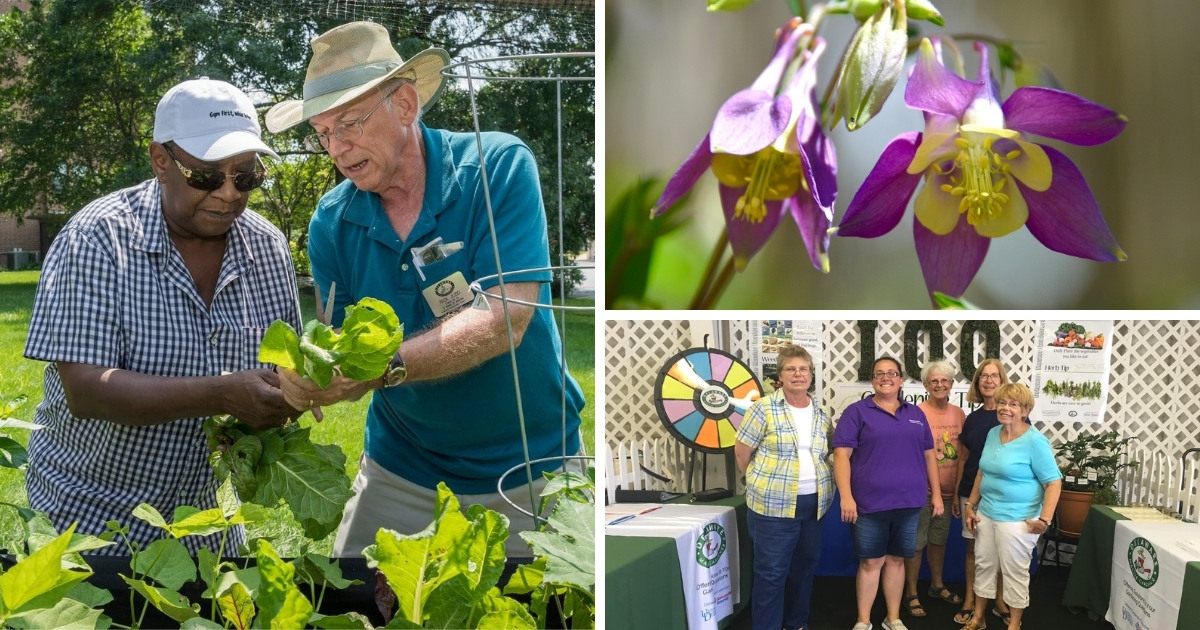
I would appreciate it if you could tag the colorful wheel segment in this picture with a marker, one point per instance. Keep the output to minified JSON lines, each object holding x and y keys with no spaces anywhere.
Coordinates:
{"x":702,"y":395}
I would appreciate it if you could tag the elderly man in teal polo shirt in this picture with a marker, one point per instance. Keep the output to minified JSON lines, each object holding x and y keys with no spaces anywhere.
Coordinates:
{"x":409,"y":226}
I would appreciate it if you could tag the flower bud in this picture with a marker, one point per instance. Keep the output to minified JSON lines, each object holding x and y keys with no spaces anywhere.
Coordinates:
{"x":923,"y":10}
{"x":873,"y":63}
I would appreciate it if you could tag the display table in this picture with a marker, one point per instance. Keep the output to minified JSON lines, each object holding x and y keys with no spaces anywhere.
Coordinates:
{"x":1093,"y":577}
{"x":643,"y":580}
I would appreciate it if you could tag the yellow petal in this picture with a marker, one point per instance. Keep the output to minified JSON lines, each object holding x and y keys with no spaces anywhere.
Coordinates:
{"x":1032,"y":167}
{"x":1014,"y":216}
{"x":935,"y":208}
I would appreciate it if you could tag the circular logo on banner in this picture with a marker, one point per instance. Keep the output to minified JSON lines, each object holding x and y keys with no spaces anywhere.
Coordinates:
{"x":711,"y":545}
{"x":444,"y":288}
{"x":1143,"y":562}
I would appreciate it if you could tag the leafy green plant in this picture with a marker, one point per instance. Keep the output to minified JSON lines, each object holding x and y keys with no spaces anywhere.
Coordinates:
{"x":282,"y":464}
{"x":1091,"y":463}
{"x":446,"y":575}
{"x":371,"y":334}
{"x":12,"y":452}
{"x":45,"y":588}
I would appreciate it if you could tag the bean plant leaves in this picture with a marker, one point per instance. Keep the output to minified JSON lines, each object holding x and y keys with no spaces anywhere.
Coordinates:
{"x":38,"y":580}
{"x":280,"y":603}
{"x":66,"y":614}
{"x":167,"y":562}
{"x":167,"y":601}
{"x":570,"y":547}
{"x":237,"y":606}
{"x":345,"y":621}
{"x":321,"y":571}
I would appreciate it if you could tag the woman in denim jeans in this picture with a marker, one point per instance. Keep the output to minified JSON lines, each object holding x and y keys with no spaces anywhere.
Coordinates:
{"x":783,"y":447}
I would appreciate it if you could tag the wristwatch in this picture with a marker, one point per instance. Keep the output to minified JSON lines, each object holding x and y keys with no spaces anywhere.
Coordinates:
{"x":396,"y":372}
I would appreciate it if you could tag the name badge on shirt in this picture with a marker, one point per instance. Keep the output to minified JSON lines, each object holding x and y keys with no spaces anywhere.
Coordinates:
{"x":448,"y":294}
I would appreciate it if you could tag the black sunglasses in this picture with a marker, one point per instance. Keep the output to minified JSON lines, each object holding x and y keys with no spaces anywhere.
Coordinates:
{"x":210,"y":179}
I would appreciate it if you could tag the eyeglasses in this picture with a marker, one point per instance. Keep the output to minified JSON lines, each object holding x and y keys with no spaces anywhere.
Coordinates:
{"x":1009,"y":403}
{"x":891,"y":374}
{"x":346,"y":132}
{"x":989,"y":377}
{"x":210,"y":179}
{"x":797,"y":370}
{"x":940,"y":381}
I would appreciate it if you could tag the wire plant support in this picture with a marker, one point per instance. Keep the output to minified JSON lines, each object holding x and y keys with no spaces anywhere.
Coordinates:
{"x":485,"y":69}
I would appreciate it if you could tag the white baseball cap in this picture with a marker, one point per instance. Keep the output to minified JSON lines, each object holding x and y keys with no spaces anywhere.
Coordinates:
{"x":210,"y":119}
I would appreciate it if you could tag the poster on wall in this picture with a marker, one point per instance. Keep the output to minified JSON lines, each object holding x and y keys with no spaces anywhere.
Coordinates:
{"x":772,"y":334}
{"x":1071,"y":366}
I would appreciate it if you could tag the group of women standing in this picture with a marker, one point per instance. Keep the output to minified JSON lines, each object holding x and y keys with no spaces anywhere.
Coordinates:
{"x":901,"y":470}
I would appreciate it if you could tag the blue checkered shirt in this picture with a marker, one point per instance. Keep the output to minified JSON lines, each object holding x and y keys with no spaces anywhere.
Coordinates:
{"x":115,"y":292}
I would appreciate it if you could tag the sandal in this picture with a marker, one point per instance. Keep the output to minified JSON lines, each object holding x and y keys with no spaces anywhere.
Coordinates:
{"x":945,"y":595}
{"x":975,"y":624}
{"x":1004,"y":615}
{"x":964,"y":615}
{"x":913,"y":604}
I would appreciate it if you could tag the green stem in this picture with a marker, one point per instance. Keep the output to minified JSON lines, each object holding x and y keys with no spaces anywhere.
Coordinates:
{"x":719,"y":287}
{"x":707,"y":277}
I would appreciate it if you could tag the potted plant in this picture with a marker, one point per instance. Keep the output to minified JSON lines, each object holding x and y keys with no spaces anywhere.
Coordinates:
{"x":1090,"y":464}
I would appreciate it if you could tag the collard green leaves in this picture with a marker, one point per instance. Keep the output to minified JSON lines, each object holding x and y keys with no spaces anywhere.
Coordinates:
{"x":371,"y":334}
{"x":267,"y":466}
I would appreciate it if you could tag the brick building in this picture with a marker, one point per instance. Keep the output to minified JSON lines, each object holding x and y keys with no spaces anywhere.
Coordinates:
{"x":19,"y":244}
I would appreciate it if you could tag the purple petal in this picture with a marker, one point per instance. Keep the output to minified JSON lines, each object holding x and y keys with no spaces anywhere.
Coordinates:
{"x":879,"y":204}
{"x":750,"y":121}
{"x":816,"y":149}
{"x":682,"y":181}
{"x":814,"y":222}
{"x":785,"y":51}
{"x":950,"y":262}
{"x":1062,"y":116}
{"x":933,"y":88}
{"x":745,"y":237}
{"x":1066,"y":217}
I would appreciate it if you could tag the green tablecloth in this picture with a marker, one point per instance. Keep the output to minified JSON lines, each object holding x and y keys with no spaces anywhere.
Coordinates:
{"x":1091,"y":572}
{"x":1089,"y":584}
{"x":643,"y":587}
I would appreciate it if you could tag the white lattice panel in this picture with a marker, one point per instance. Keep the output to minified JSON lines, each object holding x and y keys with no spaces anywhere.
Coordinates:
{"x":1153,"y":389}
{"x":633,"y":353}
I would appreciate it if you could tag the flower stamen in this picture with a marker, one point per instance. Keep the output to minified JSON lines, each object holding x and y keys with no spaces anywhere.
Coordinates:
{"x":978,"y":176}
{"x":768,"y":175}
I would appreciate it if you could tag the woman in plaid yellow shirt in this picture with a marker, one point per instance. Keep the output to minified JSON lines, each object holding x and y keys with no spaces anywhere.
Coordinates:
{"x":783,"y":447}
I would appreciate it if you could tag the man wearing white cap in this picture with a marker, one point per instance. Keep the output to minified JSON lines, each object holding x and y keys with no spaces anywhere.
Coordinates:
{"x":410,"y":227}
{"x":150,"y":308}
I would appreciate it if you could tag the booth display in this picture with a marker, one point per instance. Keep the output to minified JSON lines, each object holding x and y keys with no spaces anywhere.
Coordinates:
{"x":1130,"y":572}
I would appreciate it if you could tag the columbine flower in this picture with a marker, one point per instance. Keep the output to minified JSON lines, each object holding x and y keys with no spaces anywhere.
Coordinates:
{"x":769,"y":153}
{"x":983,"y":179}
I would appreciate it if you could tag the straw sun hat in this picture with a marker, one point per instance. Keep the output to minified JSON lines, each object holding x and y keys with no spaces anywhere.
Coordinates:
{"x":348,"y":61}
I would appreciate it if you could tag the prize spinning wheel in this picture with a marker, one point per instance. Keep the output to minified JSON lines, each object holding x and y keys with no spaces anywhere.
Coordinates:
{"x":702,"y":394}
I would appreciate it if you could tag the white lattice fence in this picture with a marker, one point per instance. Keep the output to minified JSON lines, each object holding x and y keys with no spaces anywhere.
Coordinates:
{"x":1153,"y":389}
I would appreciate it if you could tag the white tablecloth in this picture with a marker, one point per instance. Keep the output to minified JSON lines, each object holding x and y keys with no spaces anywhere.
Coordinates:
{"x":1148,"y":564}
{"x":706,"y":538}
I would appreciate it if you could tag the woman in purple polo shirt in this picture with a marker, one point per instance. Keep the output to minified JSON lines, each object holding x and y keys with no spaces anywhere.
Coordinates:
{"x":885,"y":466}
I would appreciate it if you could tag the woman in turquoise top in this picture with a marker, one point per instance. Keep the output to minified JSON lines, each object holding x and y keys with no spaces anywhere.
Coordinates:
{"x":1015,"y":493}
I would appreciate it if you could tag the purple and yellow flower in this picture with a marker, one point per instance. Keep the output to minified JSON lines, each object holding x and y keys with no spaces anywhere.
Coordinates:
{"x":983,"y":177}
{"x":769,"y":154}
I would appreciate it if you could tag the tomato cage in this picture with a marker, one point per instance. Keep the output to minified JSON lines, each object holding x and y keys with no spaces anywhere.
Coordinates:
{"x":561,"y":69}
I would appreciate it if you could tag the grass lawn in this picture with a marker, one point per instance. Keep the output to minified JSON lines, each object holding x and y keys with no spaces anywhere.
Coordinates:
{"x":343,"y":423}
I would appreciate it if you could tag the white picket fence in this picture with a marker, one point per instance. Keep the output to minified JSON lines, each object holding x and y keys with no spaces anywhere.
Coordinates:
{"x":1166,"y":482}
{"x":626,"y":465}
